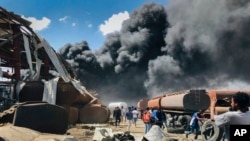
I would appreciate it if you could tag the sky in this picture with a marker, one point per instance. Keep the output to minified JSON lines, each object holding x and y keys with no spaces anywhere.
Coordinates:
{"x":72,"y":21}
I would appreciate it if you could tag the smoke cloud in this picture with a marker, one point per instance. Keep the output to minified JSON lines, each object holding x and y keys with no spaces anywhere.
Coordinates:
{"x":189,"y":44}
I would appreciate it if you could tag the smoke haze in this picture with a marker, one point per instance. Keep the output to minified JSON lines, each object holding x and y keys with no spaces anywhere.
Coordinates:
{"x":191,"y":44}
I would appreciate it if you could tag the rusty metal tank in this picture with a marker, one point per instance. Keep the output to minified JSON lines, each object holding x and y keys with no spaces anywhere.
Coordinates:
{"x":68,"y":97}
{"x":73,"y":114}
{"x":142,"y":104}
{"x":94,"y":113}
{"x":188,"y":100}
{"x":155,"y":102}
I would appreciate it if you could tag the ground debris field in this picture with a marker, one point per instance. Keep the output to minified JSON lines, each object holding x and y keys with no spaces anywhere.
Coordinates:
{"x":88,"y":132}
{"x":85,"y":132}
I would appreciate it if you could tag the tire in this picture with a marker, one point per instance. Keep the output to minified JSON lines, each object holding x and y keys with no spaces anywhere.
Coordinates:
{"x":178,"y":130}
{"x":211,"y":132}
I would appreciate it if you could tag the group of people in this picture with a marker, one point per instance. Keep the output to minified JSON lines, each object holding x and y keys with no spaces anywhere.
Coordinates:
{"x":154,"y":116}
{"x":132,"y":116}
{"x":129,"y":115}
{"x":238,"y":114}
{"x":119,"y":115}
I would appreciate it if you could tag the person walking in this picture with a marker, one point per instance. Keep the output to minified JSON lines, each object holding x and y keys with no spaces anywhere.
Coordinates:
{"x":164,"y":120}
{"x":129,"y":117}
{"x":117,"y":116}
{"x":146,"y":120}
{"x":194,"y":123}
{"x":239,"y":115}
{"x":123,"y":110}
{"x":135,"y":116}
{"x":159,"y":115}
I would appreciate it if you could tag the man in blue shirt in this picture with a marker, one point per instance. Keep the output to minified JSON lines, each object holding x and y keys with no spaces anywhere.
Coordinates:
{"x":194,"y":123}
{"x":129,"y":117}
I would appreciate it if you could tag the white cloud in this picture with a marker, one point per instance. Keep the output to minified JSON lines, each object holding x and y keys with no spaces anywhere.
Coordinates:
{"x":63,"y":19}
{"x":114,"y":23}
{"x":38,"y":25}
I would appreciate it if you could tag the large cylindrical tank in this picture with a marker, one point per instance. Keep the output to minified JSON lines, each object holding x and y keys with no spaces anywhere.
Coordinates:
{"x":155,"y":102}
{"x":142,"y":104}
{"x":72,"y":112}
{"x":188,"y":100}
{"x":112,"y":105}
{"x":94,"y":113}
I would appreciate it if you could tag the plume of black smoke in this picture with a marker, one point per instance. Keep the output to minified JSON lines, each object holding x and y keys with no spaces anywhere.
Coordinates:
{"x":186,"y":45}
{"x":207,"y":45}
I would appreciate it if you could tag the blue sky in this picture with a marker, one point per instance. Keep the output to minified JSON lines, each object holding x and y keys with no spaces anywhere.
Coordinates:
{"x":73,"y":21}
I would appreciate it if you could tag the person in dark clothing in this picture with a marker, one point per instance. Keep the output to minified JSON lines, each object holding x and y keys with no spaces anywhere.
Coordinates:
{"x":164,"y":120}
{"x":157,"y":114}
{"x":117,"y":115}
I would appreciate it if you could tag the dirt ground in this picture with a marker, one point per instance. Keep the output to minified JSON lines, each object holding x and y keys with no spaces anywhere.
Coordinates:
{"x":85,"y":132}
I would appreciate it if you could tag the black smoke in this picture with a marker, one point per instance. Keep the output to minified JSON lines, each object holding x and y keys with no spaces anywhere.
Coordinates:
{"x":161,"y":48}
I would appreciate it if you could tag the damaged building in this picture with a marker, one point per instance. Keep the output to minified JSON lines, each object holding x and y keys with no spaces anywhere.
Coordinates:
{"x":36,"y":82}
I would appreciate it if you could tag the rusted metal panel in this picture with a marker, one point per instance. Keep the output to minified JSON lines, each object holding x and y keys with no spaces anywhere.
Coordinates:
{"x":68,"y":94}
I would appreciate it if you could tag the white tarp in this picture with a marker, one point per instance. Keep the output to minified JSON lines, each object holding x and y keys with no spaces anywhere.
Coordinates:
{"x":102,"y":134}
{"x":155,"y":133}
{"x":49,"y":92}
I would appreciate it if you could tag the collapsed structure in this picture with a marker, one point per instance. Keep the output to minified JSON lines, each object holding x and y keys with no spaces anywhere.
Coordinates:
{"x":35,"y":82}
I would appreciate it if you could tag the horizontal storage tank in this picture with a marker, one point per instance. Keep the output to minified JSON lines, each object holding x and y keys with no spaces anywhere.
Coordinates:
{"x":112,"y":105}
{"x":142,"y":104}
{"x":94,"y":113}
{"x":154,"y":102}
{"x":188,"y":100}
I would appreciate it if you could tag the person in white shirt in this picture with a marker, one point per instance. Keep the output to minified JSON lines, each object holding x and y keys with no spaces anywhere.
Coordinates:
{"x":135,"y":116}
{"x":239,"y":115}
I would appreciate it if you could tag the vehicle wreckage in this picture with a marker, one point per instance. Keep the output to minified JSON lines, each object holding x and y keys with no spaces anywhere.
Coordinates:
{"x":38,"y":88}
